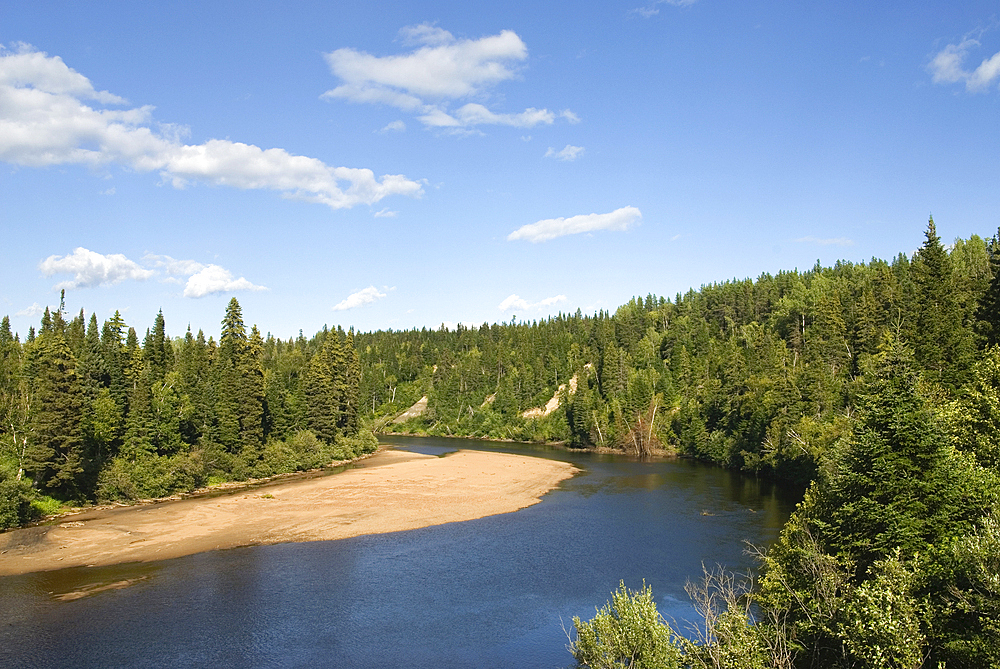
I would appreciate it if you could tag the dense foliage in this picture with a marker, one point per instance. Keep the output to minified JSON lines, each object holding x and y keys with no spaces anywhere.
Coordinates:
{"x":89,"y":413}
{"x":893,"y":557}
{"x":891,"y":560}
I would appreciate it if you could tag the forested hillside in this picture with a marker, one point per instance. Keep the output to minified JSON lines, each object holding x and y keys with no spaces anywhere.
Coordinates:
{"x":90,"y":413}
{"x":878,"y":384}
{"x":759,"y":374}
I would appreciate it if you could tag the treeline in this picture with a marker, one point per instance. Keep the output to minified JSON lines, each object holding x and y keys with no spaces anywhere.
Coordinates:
{"x":90,"y":413}
{"x":760,"y":375}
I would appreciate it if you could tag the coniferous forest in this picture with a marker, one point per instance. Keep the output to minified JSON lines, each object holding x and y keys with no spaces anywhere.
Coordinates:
{"x":875,"y":386}
{"x":90,"y":413}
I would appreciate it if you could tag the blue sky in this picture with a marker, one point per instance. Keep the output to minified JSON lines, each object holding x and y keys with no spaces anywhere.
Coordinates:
{"x":391,"y":165}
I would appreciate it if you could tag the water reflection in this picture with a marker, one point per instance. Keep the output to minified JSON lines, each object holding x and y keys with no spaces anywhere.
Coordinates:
{"x":493,"y":592}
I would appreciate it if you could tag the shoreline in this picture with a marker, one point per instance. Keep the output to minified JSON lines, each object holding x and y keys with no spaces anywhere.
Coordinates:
{"x":659,"y":453}
{"x":394,"y":491}
{"x":225,"y":488}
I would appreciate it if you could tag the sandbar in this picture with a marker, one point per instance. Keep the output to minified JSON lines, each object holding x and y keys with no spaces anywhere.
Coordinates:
{"x":394,"y":491}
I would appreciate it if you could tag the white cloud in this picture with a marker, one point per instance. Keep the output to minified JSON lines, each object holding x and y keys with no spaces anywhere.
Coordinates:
{"x":27,"y":67}
{"x":44,"y":121}
{"x":569,"y":153}
{"x":359,"y":299}
{"x":947,"y":67}
{"x":475,"y":114}
{"x":569,"y":116}
{"x":385,"y":213}
{"x":34,"y":310}
{"x":513,"y":302}
{"x":173,"y":266}
{"x":550,"y":228}
{"x":212,"y":279}
{"x":439,"y":69}
{"x":90,"y":269}
{"x":202,"y":279}
{"x":833,"y":241}
{"x":653,"y":8}
{"x":93,"y":269}
{"x":395,"y":126}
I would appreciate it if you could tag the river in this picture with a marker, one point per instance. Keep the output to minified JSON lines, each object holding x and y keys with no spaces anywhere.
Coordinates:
{"x":493,"y":592}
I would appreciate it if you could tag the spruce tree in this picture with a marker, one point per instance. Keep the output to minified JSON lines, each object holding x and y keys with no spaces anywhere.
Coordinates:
{"x":113,"y":355}
{"x":155,"y":350}
{"x":252,"y":397}
{"x":350,"y":399}
{"x":90,"y":369}
{"x":54,"y":457}
{"x":322,"y":405}
{"x":941,"y":341}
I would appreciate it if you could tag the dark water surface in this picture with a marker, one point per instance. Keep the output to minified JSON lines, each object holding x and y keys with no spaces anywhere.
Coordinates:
{"x":494,"y":592}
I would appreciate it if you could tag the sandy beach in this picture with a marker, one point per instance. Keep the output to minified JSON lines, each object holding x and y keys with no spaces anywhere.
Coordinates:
{"x":395,"y":490}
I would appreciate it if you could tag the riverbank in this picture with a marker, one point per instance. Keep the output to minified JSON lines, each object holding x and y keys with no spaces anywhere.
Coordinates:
{"x":394,"y":491}
{"x":658,"y":453}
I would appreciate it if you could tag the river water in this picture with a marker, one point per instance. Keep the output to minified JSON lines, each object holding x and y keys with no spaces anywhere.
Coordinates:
{"x":494,"y":592}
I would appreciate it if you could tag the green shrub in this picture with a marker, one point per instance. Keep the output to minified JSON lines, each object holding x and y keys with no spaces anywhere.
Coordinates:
{"x":278,"y":457}
{"x":362,"y":443}
{"x":15,"y":503}
{"x":43,"y":505}
{"x":627,"y":632}
{"x":150,"y":476}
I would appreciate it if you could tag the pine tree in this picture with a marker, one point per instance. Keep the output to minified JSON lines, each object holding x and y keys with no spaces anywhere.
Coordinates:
{"x":55,"y":454}
{"x":234,"y":332}
{"x":941,"y":341}
{"x":9,"y":358}
{"x":350,"y":399}
{"x":252,"y":396}
{"x":138,"y":424}
{"x":155,"y":350}
{"x":75,"y":333}
{"x":132,"y":359}
{"x":238,"y":380}
{"x":113,"y":355}
{"x":90,"y":369}
{"x":322,"y":402}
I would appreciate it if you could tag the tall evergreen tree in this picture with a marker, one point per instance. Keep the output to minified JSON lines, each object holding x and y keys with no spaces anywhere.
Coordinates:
{"x":91,"y":370}
{"x":252,"y":396}
{"x":155,"y":350}
{"x":323,"y":390}
{"x":942,"y":343}
{"x":113,"y":355}
{"x":54,"y":457}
